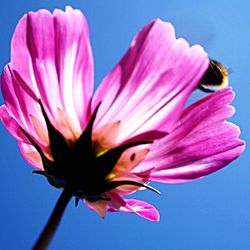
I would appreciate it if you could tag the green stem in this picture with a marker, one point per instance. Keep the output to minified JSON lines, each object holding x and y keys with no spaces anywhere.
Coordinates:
{"x":53,"y":222}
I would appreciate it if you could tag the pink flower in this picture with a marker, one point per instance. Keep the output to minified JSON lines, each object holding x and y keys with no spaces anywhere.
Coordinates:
{"x":133,"y":130}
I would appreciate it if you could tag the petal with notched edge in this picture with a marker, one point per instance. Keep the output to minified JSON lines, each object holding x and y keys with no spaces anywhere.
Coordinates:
{"x":148,"y":88}
{"x":202,"y":143}
{"x":52,"y":55}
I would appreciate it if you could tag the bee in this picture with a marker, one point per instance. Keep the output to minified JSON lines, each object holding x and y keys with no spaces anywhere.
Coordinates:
{"x":216,"y":77}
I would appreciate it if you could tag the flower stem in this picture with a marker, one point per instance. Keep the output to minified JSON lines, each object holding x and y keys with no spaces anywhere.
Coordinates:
{"x":54,"y":220}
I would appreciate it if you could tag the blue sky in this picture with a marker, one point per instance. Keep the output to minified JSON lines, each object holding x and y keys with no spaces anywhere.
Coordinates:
{"x":212,"y":213}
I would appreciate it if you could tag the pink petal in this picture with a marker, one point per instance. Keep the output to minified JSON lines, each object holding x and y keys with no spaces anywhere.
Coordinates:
{"x":28,"y":151}
{"x":201,"y":144}
{"x":10,"y":124}
{"x":148,"y":88}
{"x":52,"y":55}
{"x":98,"y":206}
{"x":21,"y":109}
{"x":141,"y":208}
{"x":74,"y":62}
{"x":19,"y":103}
{"x":31,"y":155}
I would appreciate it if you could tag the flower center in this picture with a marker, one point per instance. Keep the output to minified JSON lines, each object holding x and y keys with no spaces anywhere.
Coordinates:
{"x":78,"y":167}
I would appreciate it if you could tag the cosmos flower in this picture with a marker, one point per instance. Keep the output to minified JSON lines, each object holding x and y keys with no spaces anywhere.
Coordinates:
{"x":133,"y":130}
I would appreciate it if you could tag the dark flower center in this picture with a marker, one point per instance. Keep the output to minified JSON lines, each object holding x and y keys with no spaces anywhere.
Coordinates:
{"x":78,"y":167}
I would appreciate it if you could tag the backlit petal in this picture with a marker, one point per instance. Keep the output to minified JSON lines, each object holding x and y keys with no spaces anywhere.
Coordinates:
{"x":20,"y":104}
{"x":11,"y":124}
{"x":141,"y":208}
{"x":31,"y":155}
{"x":148,"y":88}
{"x":202,"y":143}
{"x":52,"y":54}
{"x":98,"y":206}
